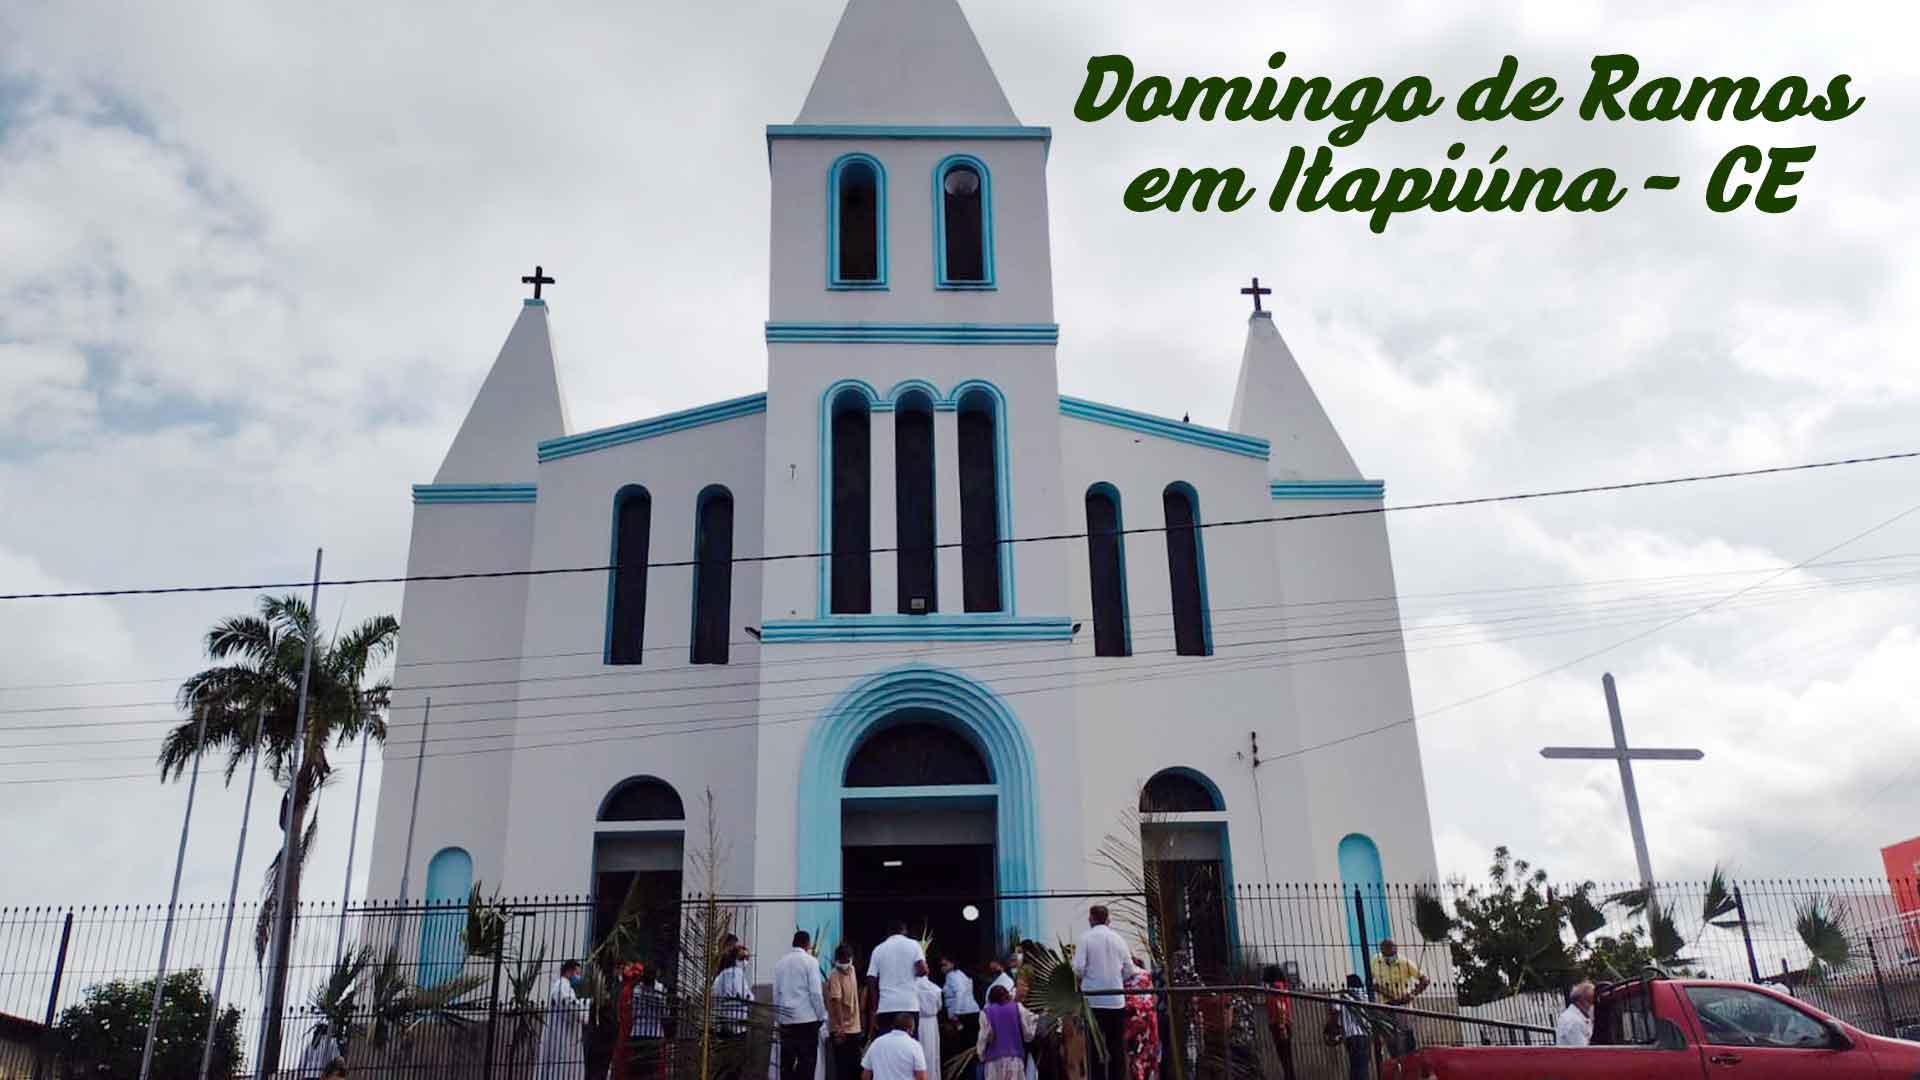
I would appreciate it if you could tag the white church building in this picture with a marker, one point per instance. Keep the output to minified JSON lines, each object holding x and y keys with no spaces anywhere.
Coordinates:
{"x":925,"y":627}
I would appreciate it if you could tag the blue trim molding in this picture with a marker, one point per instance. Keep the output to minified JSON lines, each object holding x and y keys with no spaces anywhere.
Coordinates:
{"x":834,"y":280}
{"x":472,"y":493}
{"x":974,"y":711}
{"x":1161,"y":427}
{"x":985,"y":283}
{"x":907,"y":131}
{"x":914,"y":333}
{"x":1327,"y":489}
{"x":967,"y":626}
{"x":589,"y":441}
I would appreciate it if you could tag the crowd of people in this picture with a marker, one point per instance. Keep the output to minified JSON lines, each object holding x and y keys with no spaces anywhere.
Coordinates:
{"x":895,"y":1022}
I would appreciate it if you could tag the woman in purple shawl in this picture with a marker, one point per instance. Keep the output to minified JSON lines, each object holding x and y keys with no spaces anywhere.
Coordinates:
{"x":1005,"y":1029}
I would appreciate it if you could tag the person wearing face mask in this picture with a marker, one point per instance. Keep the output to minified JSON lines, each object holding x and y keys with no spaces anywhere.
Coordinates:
{"x":562,"y":1054}
{"x":843,"y":1016}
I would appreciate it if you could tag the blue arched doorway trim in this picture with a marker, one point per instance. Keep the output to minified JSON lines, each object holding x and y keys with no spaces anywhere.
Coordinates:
{"x":977,"y":713}
{"x":1360,"y":871}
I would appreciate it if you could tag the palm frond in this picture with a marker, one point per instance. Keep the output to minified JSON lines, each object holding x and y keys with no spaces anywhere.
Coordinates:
{"x":1821,"y":924}
{"x":1583,"y":915}
{"x":1633,"y":900}
{"x":1430,"y":916}
{"x":1717,"y":903}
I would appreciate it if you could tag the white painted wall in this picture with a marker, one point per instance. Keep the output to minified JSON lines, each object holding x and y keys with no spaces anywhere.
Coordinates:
{"x":798,"y":253}
{"x":583,"y":725}
{"x":461,"y":802}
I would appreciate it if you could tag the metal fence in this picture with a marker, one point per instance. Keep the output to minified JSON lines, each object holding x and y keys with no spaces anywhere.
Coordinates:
{"x":429,"y":1003}
{"x":1851,"y":947}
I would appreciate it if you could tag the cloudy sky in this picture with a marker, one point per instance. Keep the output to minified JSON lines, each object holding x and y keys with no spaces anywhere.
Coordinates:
{"x":255,"y":260}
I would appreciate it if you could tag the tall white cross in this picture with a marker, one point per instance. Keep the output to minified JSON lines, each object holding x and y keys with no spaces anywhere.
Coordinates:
{"x":1625,"y":756}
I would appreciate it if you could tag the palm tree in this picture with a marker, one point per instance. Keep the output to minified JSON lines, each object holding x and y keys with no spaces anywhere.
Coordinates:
{"x":259,"y":660}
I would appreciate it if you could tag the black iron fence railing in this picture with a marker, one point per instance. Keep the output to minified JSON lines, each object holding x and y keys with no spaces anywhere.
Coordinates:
{"x":445,"y":991}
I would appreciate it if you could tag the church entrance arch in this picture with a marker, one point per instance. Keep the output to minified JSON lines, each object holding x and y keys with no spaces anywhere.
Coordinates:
{"x":917,"y":802}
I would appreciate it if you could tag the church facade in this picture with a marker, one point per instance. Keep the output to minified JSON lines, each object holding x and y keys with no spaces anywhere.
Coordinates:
{"x":910,"y":632}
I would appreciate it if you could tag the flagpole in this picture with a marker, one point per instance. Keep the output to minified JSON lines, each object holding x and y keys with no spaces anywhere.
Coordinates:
{"x":233,"y":894}
{"x":173,"y":899}
{"x":270,"y":1016}
{"x":353,"y":844}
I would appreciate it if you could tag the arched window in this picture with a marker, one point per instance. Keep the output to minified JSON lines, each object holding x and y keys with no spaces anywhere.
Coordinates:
{"x":1193,"y":862}
{"x":1187,"y":571}
{"x":916,"y":753}
{"x":449,"y":880}
{"x":857,"y":224}
{"x":642,"y":798}
{"x":1361,"y":875}
{"x":980,"y":523}
{"x":1180,"y":791}
{"x":852,"y":563}
{"x":637,"y":856}
{"x":712,"y":575}
{"x":963,"y":234}
{"x":913,"y":502}
{"x":632,"y":531}
{"x":1107,"y":567}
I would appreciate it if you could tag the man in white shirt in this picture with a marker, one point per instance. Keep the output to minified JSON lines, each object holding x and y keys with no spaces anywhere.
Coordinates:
{"x":1104,"y":962}
{"x":894,"y":966}
{"x":963,"y":1012}
{"x":800,"y":1002}
{"x":1575,"y":1026}
{"x":895,"y":1055}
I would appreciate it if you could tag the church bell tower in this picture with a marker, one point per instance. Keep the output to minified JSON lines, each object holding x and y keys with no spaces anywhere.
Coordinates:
{"x":912,"y":398}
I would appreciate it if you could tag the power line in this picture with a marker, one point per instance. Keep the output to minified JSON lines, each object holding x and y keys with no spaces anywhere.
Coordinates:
{"x":1182,"y":668}
{"x":1636,"y":608}
{"x":1406,"y":613}
{"x":1483,"y":500}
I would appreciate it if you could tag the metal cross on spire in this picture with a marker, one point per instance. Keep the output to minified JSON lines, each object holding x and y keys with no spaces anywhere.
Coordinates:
{"x":1256,"y":292}
{"x":536,"y":279}
{"x":1626,"y":756}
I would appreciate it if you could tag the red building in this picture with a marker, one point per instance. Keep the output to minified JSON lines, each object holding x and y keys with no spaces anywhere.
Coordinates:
{"x":1902,"y":861}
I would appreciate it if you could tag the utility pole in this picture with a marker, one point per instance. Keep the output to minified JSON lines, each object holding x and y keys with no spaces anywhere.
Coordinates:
{"x":173,"y":899}
{"x":1625,"y":756}
{"x":233,"y":893}
{"x":267,"y":1057}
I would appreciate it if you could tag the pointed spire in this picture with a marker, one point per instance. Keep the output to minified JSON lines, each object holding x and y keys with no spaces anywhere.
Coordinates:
{"x":518,"y":405}
{"x":905,"y":62}
{"x":1274,"y":401}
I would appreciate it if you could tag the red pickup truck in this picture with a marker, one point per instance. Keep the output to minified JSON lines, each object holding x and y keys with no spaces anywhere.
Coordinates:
{"x":1669,"y":1029}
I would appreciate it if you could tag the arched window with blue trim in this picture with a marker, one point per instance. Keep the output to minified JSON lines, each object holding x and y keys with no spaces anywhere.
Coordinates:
{"x":627,"y":602}
{"x":979,"y":450}
{"x":1183,"y":833}
{"x":1187,"y":571}
{"x":1107,"y":569}
{"x":913,"y":500}
{"x":857,"y":223}
{"x":851,"y":565}
{"x":963,"y":223}
{"x":449,"y":881}
{"x":712,"y":575}
{"x":1361,"y":879}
